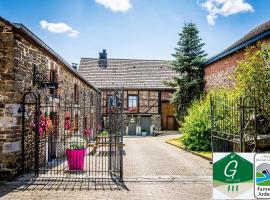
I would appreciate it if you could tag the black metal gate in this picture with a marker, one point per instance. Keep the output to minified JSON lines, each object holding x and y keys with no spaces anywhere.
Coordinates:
{"x":63,"y":137}
{"x":240,"y":125}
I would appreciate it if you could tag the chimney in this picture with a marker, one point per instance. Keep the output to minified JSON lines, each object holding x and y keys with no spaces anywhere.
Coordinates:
{"x":103,"y":54}
{"x":74,"y":66}
{"x":102,"y":62}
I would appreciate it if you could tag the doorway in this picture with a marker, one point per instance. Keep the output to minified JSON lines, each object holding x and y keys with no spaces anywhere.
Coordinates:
{"x":132,"y":123}
{"x":168,"y":121}
{"x":146,"y":124}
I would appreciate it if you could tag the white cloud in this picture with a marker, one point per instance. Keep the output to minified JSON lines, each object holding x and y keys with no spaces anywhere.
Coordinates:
{"x":225,"y":8}
{"x":58,"y":28}
{"x":116,"y":5}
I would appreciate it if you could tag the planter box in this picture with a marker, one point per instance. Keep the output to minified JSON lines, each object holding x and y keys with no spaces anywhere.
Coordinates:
{"x":144,"y":133}
{"x":75,"y":158}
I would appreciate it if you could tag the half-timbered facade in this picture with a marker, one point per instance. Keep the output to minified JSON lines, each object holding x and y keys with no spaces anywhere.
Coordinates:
{"x":147,"y":105}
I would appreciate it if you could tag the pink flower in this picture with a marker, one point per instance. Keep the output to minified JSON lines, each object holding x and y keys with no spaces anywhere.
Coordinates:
{"x":88,"y":132}
{"x":98,"y":126}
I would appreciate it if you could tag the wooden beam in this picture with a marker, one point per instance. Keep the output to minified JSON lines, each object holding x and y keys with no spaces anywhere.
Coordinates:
{"x":159,"y":102}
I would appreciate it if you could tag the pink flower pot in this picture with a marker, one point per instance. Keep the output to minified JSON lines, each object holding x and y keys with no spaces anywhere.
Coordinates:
{"x":75,"y":158}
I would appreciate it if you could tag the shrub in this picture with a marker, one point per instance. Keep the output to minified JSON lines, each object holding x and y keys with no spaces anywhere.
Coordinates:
{"x":253,"y":73}
{"x":196,"y":126}
{"x":76,"y":142}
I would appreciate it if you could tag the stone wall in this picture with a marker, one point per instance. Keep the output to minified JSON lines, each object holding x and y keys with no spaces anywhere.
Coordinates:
{"x":18,"y":54}
{"x":9,"y":118}
{"x":220,"y":73}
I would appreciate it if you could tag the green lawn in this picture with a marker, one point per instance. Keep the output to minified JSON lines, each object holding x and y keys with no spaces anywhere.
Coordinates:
{"x":179,"y":143}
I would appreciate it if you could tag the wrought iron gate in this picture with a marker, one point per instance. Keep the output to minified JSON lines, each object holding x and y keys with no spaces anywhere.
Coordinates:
{"x":63,"y":137}
{"x":241,"y":125}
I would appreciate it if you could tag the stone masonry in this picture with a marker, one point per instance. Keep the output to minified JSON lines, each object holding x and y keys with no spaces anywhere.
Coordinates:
{"x":19,"y":52}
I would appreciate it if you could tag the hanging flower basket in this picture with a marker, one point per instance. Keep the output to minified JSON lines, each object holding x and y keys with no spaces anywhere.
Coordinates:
{"x":45,"y":124}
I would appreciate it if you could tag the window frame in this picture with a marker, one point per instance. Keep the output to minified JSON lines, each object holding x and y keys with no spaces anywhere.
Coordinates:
{"x":136,"y":100}
{"x":76,"y":93}
{"x":53,"y":78}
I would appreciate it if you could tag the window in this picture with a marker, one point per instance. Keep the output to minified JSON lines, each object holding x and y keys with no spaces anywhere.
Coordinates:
{"x":76,"y":93}
{"x":108,"y":103}
{"x":85,"y":123}
{"x":55,"y":119}
{"x":76,"y":124}
{"x":92,"y":99}
{"x":53,"y":78}
{"x":132,"y":102}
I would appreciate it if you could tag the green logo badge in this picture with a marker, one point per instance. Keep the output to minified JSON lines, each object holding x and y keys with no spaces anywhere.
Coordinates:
{"x":232,"y":175}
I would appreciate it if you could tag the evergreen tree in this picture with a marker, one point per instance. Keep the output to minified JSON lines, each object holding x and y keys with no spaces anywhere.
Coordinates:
{"x":189,"y":57}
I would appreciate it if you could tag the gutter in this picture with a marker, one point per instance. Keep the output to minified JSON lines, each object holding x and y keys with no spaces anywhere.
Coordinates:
{"x":238,"y":47}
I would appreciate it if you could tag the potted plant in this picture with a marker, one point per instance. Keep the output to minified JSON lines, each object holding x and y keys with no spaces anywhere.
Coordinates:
{"x":144,"y":133}
{"x":76,"y":149}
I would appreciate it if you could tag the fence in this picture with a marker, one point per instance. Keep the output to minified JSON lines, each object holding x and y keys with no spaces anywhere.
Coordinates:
{"x":241,"y":124}
{"x":63,"y":137}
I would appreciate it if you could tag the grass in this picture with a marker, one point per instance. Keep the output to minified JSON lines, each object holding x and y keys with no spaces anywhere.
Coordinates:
{"x":179,"y":143}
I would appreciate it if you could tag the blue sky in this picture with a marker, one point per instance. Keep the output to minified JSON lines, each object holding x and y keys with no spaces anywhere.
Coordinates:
{"x":145,"y":29}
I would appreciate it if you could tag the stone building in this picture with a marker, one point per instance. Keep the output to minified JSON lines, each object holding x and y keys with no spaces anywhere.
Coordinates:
{"x":146,"y":98}
{"x":219,"y":68}
{"x":28,"y":64}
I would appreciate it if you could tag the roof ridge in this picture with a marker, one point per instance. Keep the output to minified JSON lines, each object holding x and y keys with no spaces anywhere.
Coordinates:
{"x":127,"y":59}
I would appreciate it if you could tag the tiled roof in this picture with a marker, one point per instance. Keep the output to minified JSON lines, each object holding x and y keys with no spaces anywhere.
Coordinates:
{"x":128,"y":73}
{"x":252,"y":37}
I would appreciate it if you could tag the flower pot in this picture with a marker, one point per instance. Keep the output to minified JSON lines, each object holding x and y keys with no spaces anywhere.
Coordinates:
{"x":75,"y":158}
{"x":144,"y":133}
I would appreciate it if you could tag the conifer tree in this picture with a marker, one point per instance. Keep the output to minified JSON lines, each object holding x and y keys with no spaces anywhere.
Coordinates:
{"x":189,"y":57}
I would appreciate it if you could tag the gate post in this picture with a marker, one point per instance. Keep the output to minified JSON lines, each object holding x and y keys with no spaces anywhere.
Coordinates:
{"x":37,"y":113}
{"x":122,"y":132}
{"x":211,"y":122}
{"x":110,"y":135}
{"x":242,"y":122}
{"x":23,"y":129}
{"x":36,"y":102}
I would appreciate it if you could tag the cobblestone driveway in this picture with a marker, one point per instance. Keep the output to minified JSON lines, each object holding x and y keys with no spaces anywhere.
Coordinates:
{"x":151,"y":156}
{"x":153,"y":170}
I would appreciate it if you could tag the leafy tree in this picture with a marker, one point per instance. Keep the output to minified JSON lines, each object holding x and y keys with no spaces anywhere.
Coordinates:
{"x":189,"y":57}
{"x":252,"y":75}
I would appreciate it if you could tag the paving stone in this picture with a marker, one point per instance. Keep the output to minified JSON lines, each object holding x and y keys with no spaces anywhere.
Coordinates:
{"x":153,"y":169}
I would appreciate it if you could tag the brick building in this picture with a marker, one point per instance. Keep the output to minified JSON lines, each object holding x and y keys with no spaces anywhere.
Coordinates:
{"x":25,"y":63}
{"x":219,"y":68}
{"x":146,"y":98}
